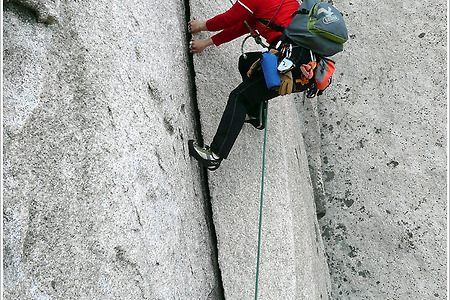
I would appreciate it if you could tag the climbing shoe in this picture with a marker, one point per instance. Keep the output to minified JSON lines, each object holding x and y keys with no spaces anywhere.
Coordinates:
{"x":204,"y":155}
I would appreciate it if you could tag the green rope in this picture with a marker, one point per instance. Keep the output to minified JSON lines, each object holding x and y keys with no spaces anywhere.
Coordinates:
{"x":261,"y":202}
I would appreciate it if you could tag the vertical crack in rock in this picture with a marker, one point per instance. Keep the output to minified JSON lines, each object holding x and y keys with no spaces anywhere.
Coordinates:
{"x":217,"y":292}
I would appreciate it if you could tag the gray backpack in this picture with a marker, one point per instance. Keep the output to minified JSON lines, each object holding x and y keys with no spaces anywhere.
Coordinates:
{"x":317,"y":26}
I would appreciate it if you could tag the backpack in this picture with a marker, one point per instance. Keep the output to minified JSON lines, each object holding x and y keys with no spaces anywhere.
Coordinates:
{"x":317,"y":26}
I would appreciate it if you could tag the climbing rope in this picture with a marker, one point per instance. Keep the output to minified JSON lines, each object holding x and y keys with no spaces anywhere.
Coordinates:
{"x":261,"y":202}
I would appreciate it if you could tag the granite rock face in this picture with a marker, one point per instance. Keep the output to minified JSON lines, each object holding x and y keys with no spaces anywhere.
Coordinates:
{"x":380,"y":133}
{"x":100,"y":199}
{"x":293,"y":263}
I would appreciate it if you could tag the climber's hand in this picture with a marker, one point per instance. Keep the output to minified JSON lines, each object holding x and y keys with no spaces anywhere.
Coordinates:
{"x":196,"y":26}
{"x":197,"y":46}
{"x":287,"y":84}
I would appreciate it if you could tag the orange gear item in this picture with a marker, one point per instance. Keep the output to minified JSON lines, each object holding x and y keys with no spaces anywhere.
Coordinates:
{"x":307,"y":72}
{"x":324,"y":73}
{"x":308,"y":69}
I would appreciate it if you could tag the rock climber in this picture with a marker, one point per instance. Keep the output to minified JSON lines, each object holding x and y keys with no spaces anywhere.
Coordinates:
{"x":253,"y":90}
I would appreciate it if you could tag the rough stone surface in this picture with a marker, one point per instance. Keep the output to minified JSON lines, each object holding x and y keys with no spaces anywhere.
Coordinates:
{"x":292,"y":256}
{"x":308,"y":113}
{"x":100,"y":199}
{"x":383,"y":153}
{"x":47,"y":12}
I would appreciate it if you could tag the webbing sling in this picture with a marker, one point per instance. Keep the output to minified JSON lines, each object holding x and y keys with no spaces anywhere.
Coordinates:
{"x":261,"y":201}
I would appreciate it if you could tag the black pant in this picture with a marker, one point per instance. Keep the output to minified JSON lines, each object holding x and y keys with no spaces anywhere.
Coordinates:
{"x":248,"y":95}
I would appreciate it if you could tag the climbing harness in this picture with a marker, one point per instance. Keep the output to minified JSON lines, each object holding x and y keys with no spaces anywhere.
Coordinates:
{"x":261,"y":201}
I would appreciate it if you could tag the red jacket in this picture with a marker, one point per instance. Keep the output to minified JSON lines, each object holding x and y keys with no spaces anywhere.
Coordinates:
{"x":232,"y":21}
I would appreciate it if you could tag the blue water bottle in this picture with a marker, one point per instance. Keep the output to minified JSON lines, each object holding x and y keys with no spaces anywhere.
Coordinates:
{"x":269,"y":64}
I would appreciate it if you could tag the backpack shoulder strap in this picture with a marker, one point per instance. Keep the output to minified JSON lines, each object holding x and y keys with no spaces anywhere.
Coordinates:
{"x":271,"y":25}
{"x":302,"y":11}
